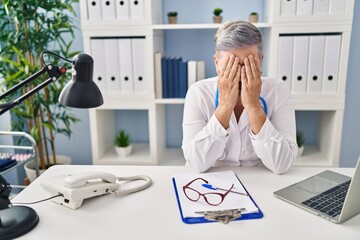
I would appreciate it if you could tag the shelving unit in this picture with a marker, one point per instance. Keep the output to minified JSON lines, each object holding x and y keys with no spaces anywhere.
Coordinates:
{"x":199,"y":26}
{"x":330,"y":107}
{"x":325,"y":152}
{"x":31,"y":148}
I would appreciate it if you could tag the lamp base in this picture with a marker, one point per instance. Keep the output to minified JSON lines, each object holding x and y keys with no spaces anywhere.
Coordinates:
{"x":17,"y":221}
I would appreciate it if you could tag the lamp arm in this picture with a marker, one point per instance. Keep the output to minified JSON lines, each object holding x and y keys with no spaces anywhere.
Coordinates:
{"x":54,"y":73}
{"x":26,"y":81}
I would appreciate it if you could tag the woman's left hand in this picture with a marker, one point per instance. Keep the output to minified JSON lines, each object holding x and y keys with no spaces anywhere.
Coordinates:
{"x":251,"y":82}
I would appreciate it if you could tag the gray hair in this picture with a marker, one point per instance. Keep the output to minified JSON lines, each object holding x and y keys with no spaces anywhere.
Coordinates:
{"x":235,"y":34}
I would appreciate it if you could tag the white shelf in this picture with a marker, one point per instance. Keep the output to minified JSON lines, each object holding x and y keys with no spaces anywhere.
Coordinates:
{"x":103,"y":121}
{"x":90,"y":25}
{"x":309,"y":102}
{"x":140,"y":155}
{"x":302,"y":102}
{"x":312,"y":157}
{"x":170,"y":101}
{"x":199,"y":26}
{"x":319,"y":101}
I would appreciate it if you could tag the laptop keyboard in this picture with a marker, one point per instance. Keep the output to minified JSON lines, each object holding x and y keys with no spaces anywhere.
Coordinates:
{"x":331,"y":201}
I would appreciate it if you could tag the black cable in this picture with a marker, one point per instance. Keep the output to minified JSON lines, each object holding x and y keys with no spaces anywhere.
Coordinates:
{"x":48,"y":52}
{"x":43,"y":200}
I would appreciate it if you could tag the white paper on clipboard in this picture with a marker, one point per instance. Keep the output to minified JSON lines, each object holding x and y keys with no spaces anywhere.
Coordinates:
{"x":220,"y":180}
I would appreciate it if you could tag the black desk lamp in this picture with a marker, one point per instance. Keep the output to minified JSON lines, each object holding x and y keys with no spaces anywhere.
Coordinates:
{"x":79,"y":92}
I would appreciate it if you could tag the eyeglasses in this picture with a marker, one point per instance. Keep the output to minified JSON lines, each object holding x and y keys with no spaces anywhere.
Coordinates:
{"x":212,"y":198}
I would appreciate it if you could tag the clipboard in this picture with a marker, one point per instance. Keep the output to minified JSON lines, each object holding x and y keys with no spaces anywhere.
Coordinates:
{"x":205,"y":219}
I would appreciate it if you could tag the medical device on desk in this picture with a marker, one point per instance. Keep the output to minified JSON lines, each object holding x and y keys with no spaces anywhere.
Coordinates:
{"x":261,"y":99}
{"x":74,"y":188}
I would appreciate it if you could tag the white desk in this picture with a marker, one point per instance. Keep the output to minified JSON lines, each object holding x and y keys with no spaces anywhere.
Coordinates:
{"x":154,"y":214}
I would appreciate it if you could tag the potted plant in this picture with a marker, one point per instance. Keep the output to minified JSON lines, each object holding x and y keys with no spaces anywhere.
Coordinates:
{"x":217,"y":18}
{"x":172,"y":17}
{"x":27,"y":28}
{"x":253,"y":17}
{"x":122,"y":142}
{"x":300,"y":140}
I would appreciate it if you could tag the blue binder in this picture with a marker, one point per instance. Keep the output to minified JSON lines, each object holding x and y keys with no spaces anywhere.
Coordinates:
{"x":183,"y":79}
{"x":192,"y":220}
{"x":176,"y":77}
{"x":170,"y":77}
{"x":165,"y":88}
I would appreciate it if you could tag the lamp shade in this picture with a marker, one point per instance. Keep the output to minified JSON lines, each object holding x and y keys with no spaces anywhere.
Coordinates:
{"x":81,"y":91}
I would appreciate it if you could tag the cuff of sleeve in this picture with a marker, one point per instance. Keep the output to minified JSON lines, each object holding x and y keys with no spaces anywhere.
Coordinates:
{"x":219,"y":132}
{"x":266,"y":132}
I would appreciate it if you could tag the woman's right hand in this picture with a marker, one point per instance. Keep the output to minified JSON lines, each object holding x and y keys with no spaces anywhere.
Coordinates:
{"x":229,"y":90}
{"x":229,"y":82}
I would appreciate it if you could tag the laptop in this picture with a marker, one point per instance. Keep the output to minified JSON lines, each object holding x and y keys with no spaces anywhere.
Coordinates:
{"x":331,"y":195}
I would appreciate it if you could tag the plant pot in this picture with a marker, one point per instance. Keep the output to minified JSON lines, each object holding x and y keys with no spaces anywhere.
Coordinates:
{"x":253,"y":18}
{"x":172,"y":20}
{"x":123,"y":151}
{"x":217,"y":19}
{"x":300,"y":151}
{"x":30,"y":168}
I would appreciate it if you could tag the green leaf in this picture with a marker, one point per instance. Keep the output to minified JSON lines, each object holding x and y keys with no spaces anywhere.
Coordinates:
{"x":11,"y":62}
{"x":122,"y":139}
{"x":14,"y":76}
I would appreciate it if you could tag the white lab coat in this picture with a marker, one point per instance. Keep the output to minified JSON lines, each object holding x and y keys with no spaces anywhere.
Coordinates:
{"x":206,"y":143}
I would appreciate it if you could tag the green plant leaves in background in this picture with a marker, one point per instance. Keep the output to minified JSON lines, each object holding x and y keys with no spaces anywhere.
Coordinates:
{"x":28,"y":27}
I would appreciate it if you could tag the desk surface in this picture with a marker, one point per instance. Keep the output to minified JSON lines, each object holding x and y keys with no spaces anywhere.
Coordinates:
{"x":154,"y":214}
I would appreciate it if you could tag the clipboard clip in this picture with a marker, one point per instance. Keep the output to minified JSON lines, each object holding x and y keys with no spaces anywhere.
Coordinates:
{"x":223,"y":216}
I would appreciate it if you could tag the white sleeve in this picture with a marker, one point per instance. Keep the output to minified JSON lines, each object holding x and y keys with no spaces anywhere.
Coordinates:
{"x":275,"y":144}
{"x":204,"y":138}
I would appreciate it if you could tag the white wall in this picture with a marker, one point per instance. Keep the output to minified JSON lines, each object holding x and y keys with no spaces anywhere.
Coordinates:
{"x":350,"y":146}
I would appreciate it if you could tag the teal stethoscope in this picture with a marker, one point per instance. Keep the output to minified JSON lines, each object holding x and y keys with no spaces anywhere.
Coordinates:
{"x":262,"y":101}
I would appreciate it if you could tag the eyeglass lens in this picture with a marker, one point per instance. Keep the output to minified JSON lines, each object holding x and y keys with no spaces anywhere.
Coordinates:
{"x":210,"y":198}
